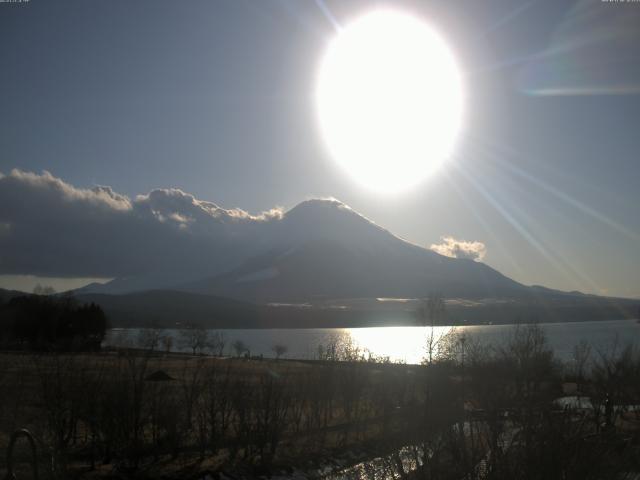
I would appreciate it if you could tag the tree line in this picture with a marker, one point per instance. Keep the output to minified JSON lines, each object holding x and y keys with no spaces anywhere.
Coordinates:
{"x":51,"y":322}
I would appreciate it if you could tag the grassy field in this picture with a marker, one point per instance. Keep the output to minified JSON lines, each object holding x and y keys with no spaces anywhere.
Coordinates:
{"x":137,"y":411}
{"x":141,"y":414}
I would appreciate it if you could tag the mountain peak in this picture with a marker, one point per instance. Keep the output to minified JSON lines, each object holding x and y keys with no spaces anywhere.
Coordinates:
{"x":318,"y":205}
{"x":329,"y":218}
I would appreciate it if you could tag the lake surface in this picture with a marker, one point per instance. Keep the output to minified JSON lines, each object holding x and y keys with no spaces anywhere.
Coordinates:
{"x":399,"y":344}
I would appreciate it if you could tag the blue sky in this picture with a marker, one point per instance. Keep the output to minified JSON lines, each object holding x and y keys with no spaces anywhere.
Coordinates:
{"x":216,"y":98}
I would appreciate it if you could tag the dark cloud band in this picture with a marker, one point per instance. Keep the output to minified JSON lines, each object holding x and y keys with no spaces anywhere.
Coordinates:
{"x":49,"y":227}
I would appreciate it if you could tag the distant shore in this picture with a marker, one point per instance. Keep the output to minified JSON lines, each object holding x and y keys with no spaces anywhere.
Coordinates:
{"x":270,"y":317}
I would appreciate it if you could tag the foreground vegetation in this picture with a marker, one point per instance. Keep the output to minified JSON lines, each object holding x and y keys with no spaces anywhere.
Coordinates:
{"x":478,"y":412}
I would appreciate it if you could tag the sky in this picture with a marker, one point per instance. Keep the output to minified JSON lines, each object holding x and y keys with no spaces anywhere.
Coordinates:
{"x":215,"y":98}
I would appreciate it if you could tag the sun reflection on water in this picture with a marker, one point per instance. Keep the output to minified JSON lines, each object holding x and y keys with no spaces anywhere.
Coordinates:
{"x":400,"y":344}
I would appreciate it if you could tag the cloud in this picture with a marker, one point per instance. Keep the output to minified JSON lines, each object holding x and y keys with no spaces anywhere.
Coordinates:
{"x":163,"y":202}
{"x":48,"y":185}
{"x":451,"y":247}
{"x":49,"y":227}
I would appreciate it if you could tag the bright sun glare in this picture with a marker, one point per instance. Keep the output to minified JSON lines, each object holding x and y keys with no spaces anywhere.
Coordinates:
{"x":389,"y":100}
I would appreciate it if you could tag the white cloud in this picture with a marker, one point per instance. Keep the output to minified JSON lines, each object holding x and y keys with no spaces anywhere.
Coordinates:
{"x":451,"y":247}
{"x":51,"y":228}
{"x":100,"y":196}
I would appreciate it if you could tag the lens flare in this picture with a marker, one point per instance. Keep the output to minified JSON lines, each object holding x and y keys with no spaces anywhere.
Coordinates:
{"x":389,"y":100}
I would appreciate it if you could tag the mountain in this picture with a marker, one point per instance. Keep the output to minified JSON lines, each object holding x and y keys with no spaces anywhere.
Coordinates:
{"x":319,"y":252}
{"x":321,"y":264}
{"x":322,"y":249}
{"x":167,"y":308}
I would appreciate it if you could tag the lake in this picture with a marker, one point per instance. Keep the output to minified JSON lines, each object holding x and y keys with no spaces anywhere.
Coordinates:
{"x":399,"y":344}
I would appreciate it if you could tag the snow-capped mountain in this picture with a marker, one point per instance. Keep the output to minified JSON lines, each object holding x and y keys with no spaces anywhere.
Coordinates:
{"x":323,"y":249}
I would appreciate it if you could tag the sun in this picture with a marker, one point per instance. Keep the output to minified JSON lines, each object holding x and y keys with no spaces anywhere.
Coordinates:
{"x":389,"y":100}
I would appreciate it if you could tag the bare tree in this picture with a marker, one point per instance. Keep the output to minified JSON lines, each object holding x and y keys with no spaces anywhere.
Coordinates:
{"x":43,"y":290}
{"x":217,"y":343}
{"x":216,"y":412}
{"x":191,"y":383}
{"x":239,"y":347}
{"x":195,"y":338}
{"x":613,"y":374}
{"x":136,"y":371}
{"x":167,"y":343}
{"x":149,"y":339}
{"x":279,"y":350}
{"x":272,"y":403}
{"x":60,"y":378}
{"x":431,"y":313}
{"x":580,"y":357}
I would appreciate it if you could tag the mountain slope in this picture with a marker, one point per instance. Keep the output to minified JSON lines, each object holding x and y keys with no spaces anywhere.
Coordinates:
{"x":323,"y":249}
{"x":171,"y":308}
{"x":318,"y":251}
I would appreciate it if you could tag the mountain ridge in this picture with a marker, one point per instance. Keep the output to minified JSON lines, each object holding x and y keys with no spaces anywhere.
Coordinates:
{"x":322,"y":249}
{"x":176,"y":309}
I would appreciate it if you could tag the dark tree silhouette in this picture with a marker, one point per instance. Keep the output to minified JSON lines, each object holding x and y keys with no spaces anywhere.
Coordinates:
{"x":52,"y":323}
{"x":279,"y":350}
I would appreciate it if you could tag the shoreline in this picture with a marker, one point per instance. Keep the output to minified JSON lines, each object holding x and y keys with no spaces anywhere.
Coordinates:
{"x":373,"y":325}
